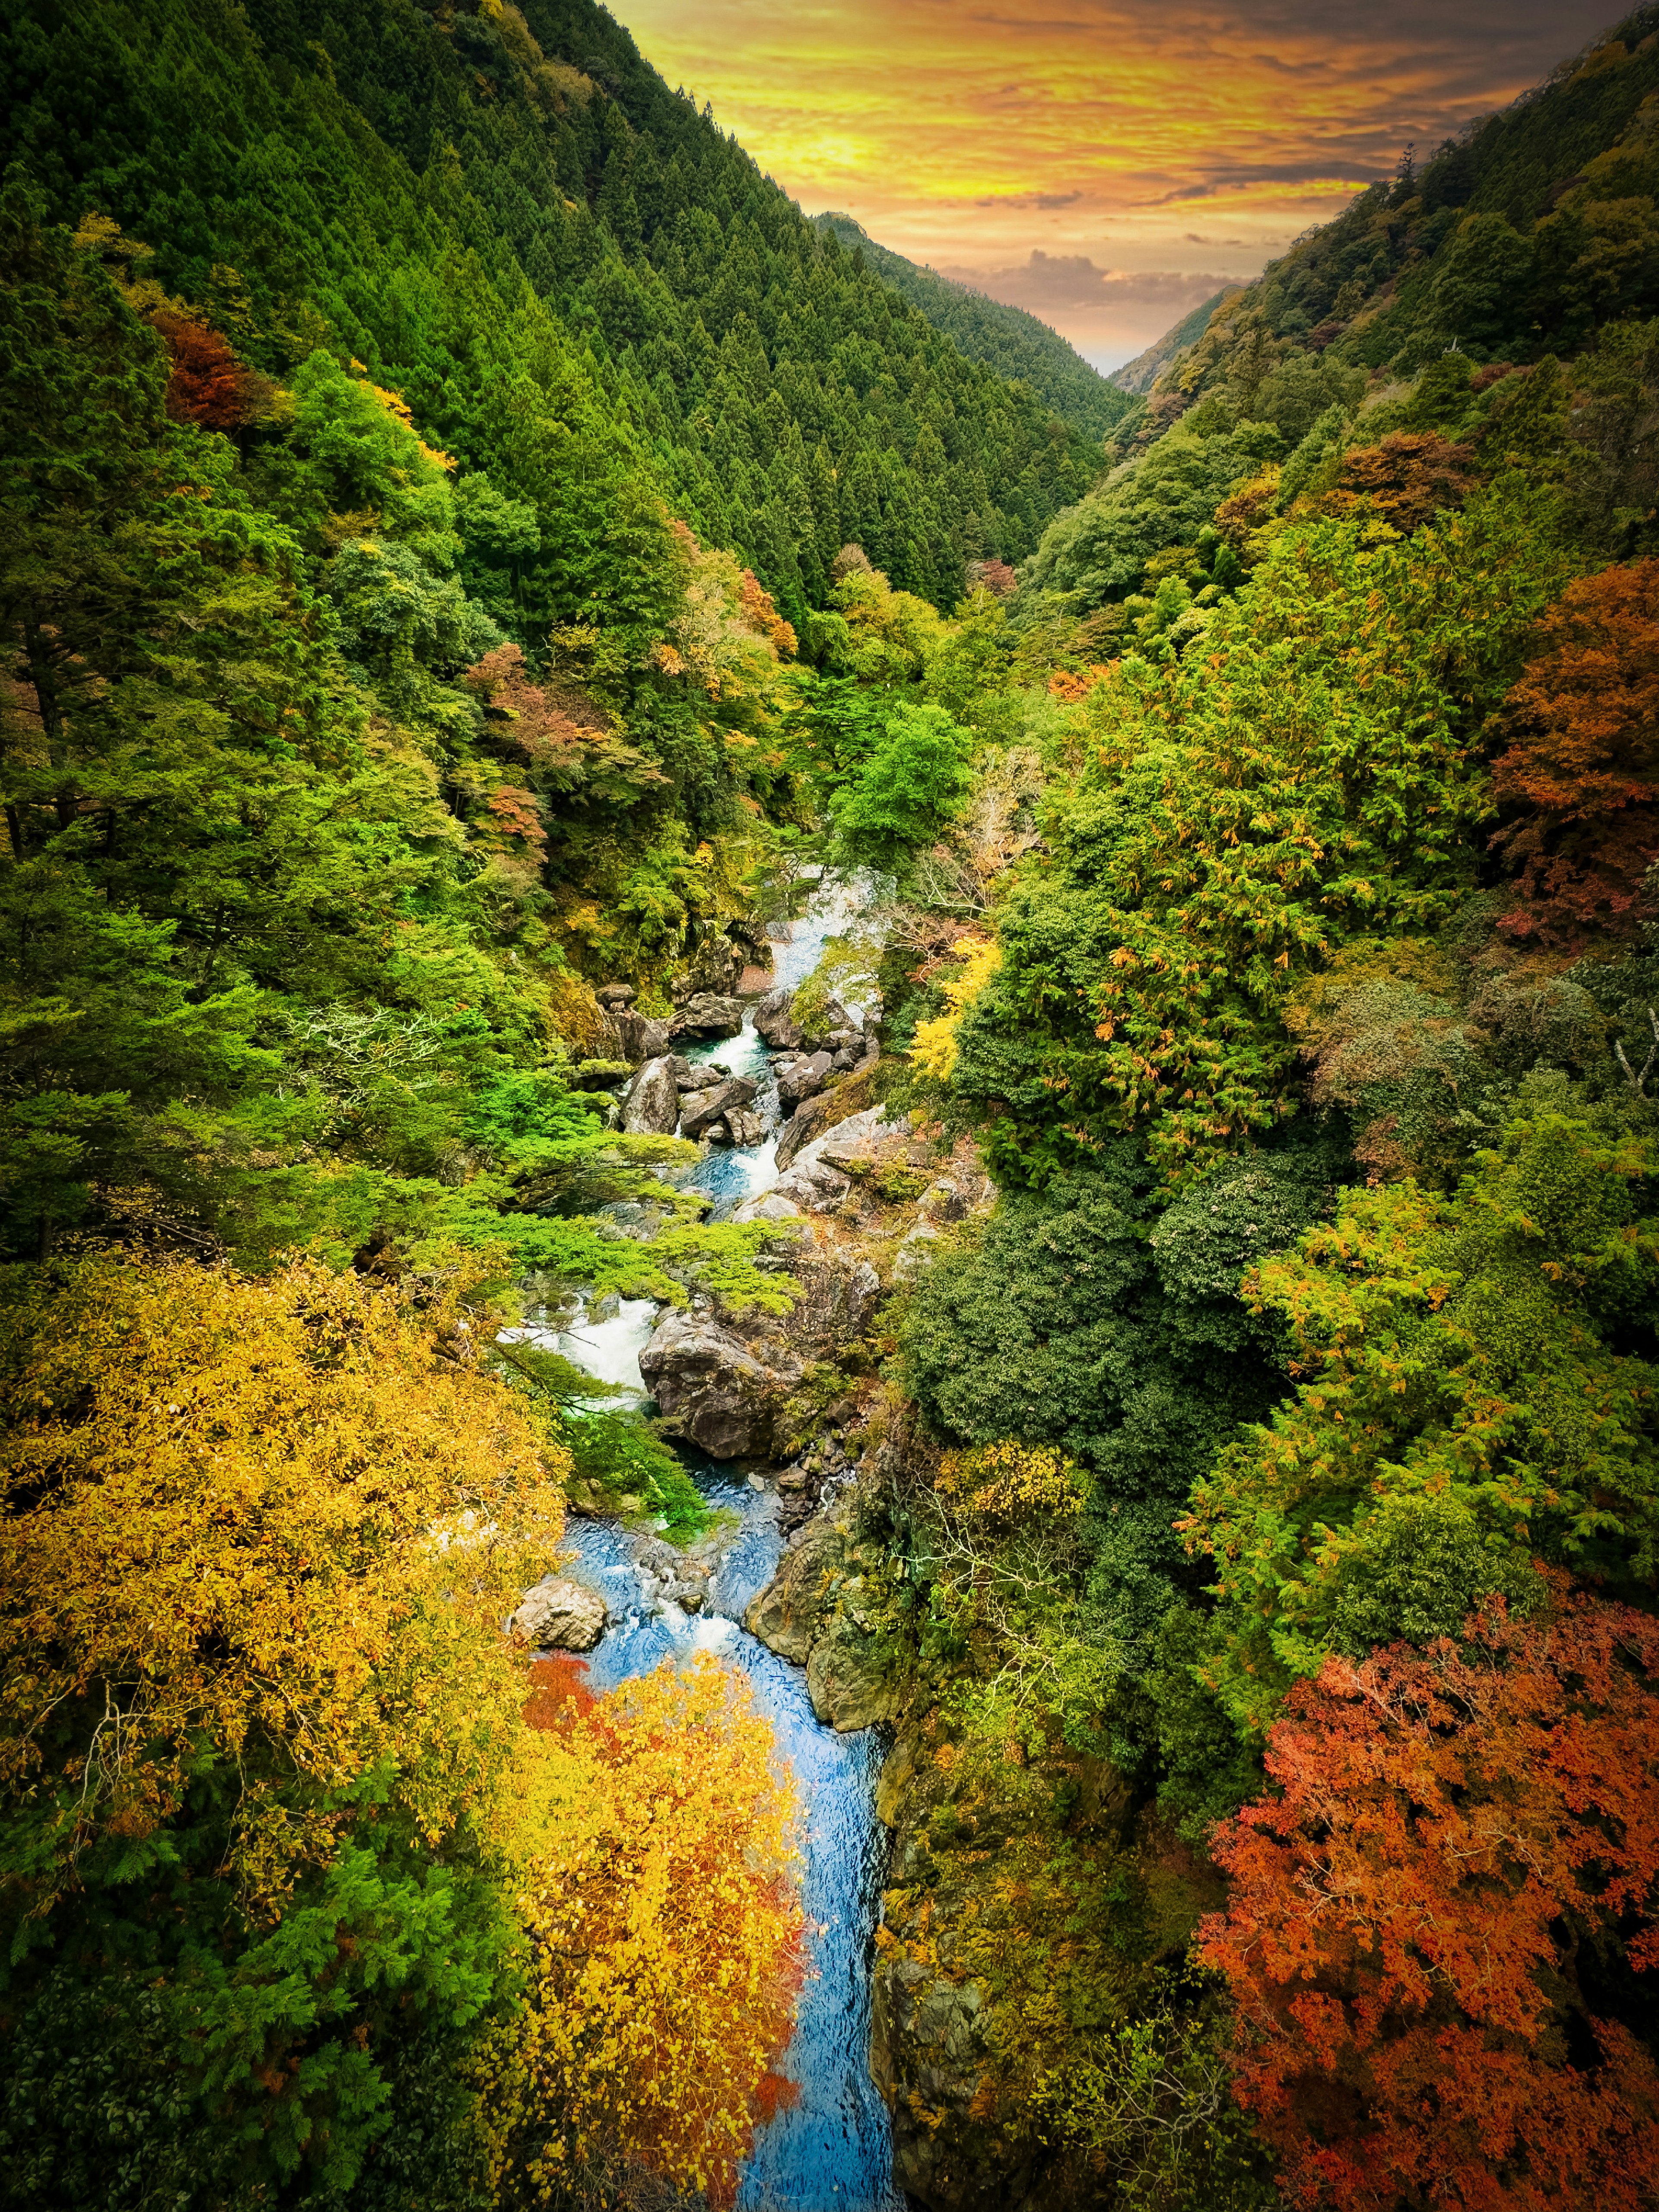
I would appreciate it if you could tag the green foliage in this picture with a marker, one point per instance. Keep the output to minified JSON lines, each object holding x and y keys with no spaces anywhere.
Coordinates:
{"x":1017,"y":345}
{"x":1099,"y":551}
{"x":1237,"y":818}
{"x":905,"y":792}
{"x":1477,"y":1388}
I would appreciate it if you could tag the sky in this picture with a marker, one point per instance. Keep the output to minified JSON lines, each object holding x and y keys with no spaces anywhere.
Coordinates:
{"x":1107,"y":164}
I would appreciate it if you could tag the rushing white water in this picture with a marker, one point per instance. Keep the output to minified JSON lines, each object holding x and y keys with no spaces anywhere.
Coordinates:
{"x":831,"y":2151}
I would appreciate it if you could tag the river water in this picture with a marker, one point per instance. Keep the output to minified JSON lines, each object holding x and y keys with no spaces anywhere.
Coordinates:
{"x":831,"y":2151}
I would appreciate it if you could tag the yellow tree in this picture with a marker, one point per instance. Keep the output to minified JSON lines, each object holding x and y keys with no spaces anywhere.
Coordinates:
{"x":257,"y":1543}
{"x":657,"y":1842}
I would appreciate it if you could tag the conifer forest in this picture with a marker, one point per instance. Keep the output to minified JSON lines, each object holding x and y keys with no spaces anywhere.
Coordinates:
{"x":828,"y":1165}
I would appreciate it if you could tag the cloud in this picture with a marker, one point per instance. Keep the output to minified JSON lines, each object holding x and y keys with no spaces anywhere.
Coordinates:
{"x":1050,"y":282}
{"x":968,"y":135}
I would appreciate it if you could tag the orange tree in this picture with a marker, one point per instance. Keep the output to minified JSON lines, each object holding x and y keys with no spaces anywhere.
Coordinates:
{"x":1439,"y":1930}
{"x":1579,"y":768}
{"x":257,"y":1543}
{"x":656,"y":1841}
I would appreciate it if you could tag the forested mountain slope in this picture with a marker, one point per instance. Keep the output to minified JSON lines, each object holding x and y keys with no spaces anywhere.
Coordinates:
{"x":1007,"y":340}
{"x":409,"y":183}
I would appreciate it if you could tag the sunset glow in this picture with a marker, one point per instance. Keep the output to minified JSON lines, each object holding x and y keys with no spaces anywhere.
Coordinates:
{"x":1107,"y":164}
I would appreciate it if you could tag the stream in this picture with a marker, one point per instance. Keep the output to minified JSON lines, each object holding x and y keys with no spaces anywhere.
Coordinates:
{"x":831,"y":2151}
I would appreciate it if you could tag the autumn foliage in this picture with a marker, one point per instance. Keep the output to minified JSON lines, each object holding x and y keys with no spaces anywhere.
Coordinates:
{"x":207,"y":384}
{"x":1580,"y":761}
{"x":658,"y":1851}
{"x":1407,"y":478}
{"x":1423,"y":1928}
{"x":272,"y":1517}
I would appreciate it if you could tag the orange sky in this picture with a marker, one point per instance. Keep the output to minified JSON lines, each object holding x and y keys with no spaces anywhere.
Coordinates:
{"x":1106,"y":163}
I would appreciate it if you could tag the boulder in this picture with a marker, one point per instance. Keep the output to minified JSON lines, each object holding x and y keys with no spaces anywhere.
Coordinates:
{"x":654,"y":1101}
{"x":701,"y":1109}
{"x":810,"y":1186}
{"x":638,"y":1037}
{"x":803,"y":1079}
{"x":613,"y":997}
{"x":560,"y":1616}
{"x":775,"y":1023}
{"x":705,"y":1014}
{"x":775,"y":1205}
{"x":810,"y":1122}
{"x":712,"y":1388}
{"x":943,"y":1201}
{"x":746,"y":1128}
{"x":715,"y":966}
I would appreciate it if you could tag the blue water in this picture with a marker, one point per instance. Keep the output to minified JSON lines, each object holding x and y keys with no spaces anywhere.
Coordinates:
{"x":832,"y":2151}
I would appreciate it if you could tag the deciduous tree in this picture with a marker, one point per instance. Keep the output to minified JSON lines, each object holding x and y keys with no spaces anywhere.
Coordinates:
{"x":1424,"y":1928}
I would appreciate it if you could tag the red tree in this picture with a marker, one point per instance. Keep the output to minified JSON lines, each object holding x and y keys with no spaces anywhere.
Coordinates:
{"x":1581,"y":757}
{"x":1466,"y":1848}
{"x":208,"y":385}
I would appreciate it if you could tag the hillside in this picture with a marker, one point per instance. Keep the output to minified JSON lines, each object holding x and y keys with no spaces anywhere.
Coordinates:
{"x":1520,"y":237}
{"x":820,"y":1366}
{"x":1138,"y":376}
{"x":1014,"y":343}
{"x":784,"y":401}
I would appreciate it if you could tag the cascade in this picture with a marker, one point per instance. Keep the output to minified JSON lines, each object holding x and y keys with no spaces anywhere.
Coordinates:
{"x":830,"y":2151}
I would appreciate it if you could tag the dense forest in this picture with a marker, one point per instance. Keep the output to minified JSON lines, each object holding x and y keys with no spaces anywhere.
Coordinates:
{"x":1007,"y":340}
{"x":473,"y":555}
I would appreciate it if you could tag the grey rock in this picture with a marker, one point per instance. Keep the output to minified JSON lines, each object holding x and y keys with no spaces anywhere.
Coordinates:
{"x":775,"y":1022}
{"x":774,"y":1206}
{"x":613,"y":997}
{"x":701,"y":1109}
{"x":746,"y":1128}
{"x":558,"y":1615}
{"x":943,"y":1201}
{"x":804,"y":1079}
{"x":654,"y":1101}
{"x":706,"y":1014}
{"x":712,"y":1387}
{"x":915,"y":1256}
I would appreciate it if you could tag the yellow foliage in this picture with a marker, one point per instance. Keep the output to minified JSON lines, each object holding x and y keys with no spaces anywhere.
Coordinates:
{"x":398,"y":408}
{"x":282,"y":1519}
{"x":659,"y":1852}
{"x":934,"y":1050}
{"x":1013,"y":1482}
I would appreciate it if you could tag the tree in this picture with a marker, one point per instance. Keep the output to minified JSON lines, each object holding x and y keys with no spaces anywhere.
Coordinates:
{"x":1580,"y":760}
{"x":257,"y":1543}
{"x":1425,"y":1926}
{"x":658,"y":1850}
{"x":906,"y":792}
{"x":1475,"y":1384}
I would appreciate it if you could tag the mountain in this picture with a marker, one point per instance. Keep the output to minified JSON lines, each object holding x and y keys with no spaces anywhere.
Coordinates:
{"x":1523,"y":236}
{"x":373,"y":175}
{"x":1007,"y":340}
{"x":1138,"y":376}
{"x":1530,"y":239}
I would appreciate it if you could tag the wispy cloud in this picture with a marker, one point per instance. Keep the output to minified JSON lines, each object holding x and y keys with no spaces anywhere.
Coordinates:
{"x":973,"y":137}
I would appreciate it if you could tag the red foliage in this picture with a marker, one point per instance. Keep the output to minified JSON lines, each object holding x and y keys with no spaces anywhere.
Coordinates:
{"x":559,"y":1693}
{"x":1464,"y":1833}
{"x":207,"y":383}
{"x":1406,"y":478}
{"x":568,"y":740}
{"x":1583,"y":757}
